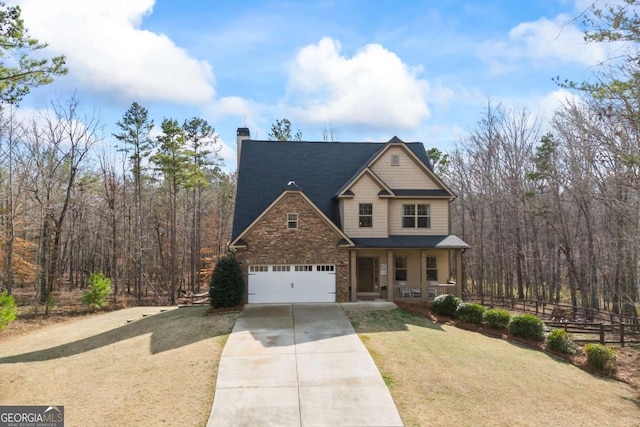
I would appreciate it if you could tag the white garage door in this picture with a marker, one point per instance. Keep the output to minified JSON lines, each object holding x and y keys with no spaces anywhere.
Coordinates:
{"x":292,"y":283}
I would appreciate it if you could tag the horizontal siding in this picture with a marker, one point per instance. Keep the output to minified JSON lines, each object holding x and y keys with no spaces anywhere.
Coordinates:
{"x":407,"y":175}
{"x":365,"y":191}
{"x":439,"y":217}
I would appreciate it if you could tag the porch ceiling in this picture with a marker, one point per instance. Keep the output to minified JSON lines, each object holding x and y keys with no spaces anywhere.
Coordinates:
{"x":411,"y":242}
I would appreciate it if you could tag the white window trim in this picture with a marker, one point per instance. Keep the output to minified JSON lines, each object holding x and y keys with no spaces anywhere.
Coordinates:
{"x":415,"y":216}
{"x":291,"y":221}
{"x":360,"y":215}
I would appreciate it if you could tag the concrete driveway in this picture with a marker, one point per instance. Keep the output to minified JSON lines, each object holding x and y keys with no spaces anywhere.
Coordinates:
{"x":299,"y":365}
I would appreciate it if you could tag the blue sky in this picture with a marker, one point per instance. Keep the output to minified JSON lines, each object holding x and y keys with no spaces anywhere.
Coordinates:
{"x":421,"y":70}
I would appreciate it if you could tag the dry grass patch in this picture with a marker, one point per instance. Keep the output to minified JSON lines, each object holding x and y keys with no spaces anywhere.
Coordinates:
{"x":157,"y":369}
{"x":442,"y":375}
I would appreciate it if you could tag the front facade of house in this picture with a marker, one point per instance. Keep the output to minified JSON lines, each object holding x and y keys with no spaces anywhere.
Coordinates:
{"x":337,"y":222}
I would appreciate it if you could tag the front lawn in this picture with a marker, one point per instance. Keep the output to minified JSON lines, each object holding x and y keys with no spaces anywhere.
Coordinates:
{"x":441,"y":375}
{"x":157,"y":369}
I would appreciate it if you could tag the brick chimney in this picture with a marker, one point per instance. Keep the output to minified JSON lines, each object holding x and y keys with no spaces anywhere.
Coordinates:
{"x":241,"y":135}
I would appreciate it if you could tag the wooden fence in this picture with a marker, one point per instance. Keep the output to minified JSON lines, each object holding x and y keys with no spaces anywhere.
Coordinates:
{"x":585,"y":324}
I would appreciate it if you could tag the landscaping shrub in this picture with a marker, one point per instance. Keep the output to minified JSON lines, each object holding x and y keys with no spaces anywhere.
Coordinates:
{"x":8,"y":310}
{"x":601,"y":357}
{"x":446,"y":305}
{"x":560,"y":340}
{"x":98,"y":288}
{"x":470,"y":312}
{"x":227,"y":284}
{"x":527,"y":326}
{"x":497,"y":318}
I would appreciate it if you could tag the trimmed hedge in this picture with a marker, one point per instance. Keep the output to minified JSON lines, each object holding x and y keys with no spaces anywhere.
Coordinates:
{"x":601,"y":357}
{"x":446,"y":305}
{"x":559,"y":340}
{"x":527,"y":326}
{"x":227,"y":283}
{"x":497,"y":318}
{"x":470,"y":312}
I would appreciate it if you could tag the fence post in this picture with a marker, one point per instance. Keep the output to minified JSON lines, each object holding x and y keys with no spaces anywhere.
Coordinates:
{"x":544,"y":305}
{"x":621,"y":334}
{"x":536,"y":307}
{"x":601,"y":333}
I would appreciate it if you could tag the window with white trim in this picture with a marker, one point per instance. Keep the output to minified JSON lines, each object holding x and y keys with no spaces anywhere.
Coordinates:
{"x":292,"y":221}
{"x":395,"y":160}
{"x":432,"y":268}
{"x":258,"y":268}
{"x":365,"y":218}
{"x":401,"y":268}
{"x":325,"y":268}
{"x":304,"y":267}
{"x":416,"y":216}
{"x":281,"y":268}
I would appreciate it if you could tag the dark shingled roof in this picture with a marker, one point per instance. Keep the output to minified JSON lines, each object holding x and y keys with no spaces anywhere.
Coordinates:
{"x":320,"y":169}
{"x":411,"y":242}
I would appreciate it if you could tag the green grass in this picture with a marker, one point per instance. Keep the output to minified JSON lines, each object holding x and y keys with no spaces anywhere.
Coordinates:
{"x":441,"y":375}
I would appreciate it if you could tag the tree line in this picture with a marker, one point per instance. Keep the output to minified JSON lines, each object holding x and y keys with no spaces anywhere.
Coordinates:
{"x":555,"y":214}
{"x":151,"y":215}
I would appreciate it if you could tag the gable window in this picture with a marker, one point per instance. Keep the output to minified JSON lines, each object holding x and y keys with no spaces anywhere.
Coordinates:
{"x":416,"y":216}
{"x":292,"y":221}
{"x":401,"y":268}
{"x":365,"y":218}
{"x":432,"y":268}
{"x":395,"y":160}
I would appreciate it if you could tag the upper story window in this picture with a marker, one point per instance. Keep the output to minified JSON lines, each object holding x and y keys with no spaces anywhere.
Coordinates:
{"x":292,"y":221}
{"x":365,"y":218}
{"x":395,"y":160}
{"x":416,"y":216}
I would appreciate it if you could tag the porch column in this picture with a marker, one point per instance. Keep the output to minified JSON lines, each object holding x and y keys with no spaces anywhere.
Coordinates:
{"x":391,"y":276}
{"x":353,"y":262}
{"x":459,"y":273}
{"x":423,"y":277}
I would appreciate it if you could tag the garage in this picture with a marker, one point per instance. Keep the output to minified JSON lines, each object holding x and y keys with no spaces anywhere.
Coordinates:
{"x":292,"y":283}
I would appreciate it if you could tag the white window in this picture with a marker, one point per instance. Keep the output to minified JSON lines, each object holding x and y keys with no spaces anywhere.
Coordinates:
{"x":304,"y":268}
{"x":401,"y":268}
{"x":258,"y":268}
{"x":416,"y":216}
{"x":292,"y":221}
{"x":432,"y":268}
{"x":365,"y":218}
{"x":395,"y":160}
{"x":281,"y":268}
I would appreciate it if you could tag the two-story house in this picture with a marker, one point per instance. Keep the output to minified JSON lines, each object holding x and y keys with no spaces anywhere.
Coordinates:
{"x":342,"y":221}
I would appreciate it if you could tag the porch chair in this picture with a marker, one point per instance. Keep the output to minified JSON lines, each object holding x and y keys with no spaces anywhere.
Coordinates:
{"x":416,"y":292}
{"x":432,"y":289}
{"x":405,"y":291}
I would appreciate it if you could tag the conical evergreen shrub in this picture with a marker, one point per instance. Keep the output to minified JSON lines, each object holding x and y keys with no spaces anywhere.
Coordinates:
{"x":227,"y":283}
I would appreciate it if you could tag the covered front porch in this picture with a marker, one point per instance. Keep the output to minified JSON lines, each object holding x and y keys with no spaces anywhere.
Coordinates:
{"x":414,"y":268}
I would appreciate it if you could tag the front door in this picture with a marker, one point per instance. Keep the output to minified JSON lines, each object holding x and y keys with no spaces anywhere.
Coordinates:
{"x":367,"y":274}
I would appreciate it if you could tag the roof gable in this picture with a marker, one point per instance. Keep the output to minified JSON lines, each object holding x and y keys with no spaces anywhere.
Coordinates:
{"x":237,"y":241}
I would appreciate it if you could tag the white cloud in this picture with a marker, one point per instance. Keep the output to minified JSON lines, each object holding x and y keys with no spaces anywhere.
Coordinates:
{"x":107,"y":51}
{"x":543,"y":41}
{"x":373,"y":87}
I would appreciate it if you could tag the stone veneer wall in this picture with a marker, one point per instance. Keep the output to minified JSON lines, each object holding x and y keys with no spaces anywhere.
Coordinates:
{"x":314,"y":242}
